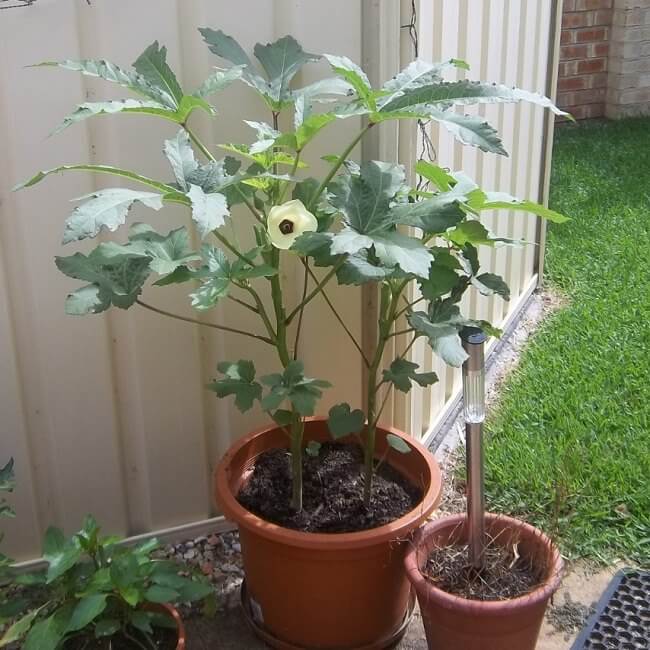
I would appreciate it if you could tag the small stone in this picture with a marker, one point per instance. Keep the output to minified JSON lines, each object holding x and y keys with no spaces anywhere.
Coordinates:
{"x":213,"y":540}
{"x":207,"y":568}
{"x":188,"y":555}
{"x":230,"y":568}
{"x":189,"y":544}
{"x":236,"y":547}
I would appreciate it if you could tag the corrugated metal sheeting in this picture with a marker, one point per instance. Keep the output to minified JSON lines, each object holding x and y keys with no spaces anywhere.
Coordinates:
{"x":107,"y":413}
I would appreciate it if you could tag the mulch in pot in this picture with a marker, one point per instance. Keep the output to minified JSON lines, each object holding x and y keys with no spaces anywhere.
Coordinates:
{"x":505,"y":574}
{"x":333,"y":486}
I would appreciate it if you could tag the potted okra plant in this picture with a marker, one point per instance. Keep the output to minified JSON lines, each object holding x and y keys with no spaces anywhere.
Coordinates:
{"x":324,"y":504}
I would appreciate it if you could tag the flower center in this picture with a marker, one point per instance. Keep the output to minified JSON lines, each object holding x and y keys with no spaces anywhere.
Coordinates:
{"x":286,"y":227}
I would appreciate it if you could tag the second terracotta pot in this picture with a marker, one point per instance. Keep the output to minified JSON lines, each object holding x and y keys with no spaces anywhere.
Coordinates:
{"x":454,"y":623}
{"x":319,"y":590}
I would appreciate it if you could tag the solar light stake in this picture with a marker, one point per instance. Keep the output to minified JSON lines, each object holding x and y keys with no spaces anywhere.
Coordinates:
{"x":474,"y":411}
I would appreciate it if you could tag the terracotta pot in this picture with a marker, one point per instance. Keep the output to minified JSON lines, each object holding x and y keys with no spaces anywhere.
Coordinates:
{"x":170,"y":610}
{"x":454,"y":623}
{"x":319,"y":590}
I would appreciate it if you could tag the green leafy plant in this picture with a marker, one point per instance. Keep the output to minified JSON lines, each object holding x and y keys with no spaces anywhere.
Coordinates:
{"x":362,"y":223}
{"x":7,"y":484}
{"x":98,"y":588}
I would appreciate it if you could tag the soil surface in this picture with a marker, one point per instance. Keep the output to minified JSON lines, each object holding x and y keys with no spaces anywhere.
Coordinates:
{"x":505,"y":574}
{"x":162,"y":639}
{"x":332,"y":491}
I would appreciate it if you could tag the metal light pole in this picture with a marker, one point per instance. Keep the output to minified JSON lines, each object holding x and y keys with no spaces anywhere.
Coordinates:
{"x":474,"y":411}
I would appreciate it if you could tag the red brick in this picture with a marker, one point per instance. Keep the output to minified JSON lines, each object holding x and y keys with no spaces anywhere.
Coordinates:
{"x":568,"y":68}
{"x":568,"y":52}
{"x":569,"y":5}
{"x":578,"y":112}
{"x":586,"y":5}
{"x":572,"y":83}
{"x":591,"y":35}
{"x":590,"y":96}
{"x":567,"y":37}
{"x":592,"y":65}
{"x":602,"y":17}
{"x":597,"y":80}
{"x":598,"y":49}
{"x":588,"y":111}
{"x":573,"y":19}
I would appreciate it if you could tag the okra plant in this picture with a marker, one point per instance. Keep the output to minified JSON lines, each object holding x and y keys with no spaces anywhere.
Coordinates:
{"x":7,"y":485}
{"x":362,"y":224}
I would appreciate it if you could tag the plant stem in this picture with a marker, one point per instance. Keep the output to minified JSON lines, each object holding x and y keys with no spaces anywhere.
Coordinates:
{"x":134,"y":640}
{"x":243,"y":303}
{"x":305,"y":280}
{"x":387,"y":317}
{"x":196,"y":140}
{"x":341,"y":159}
{"x":339,"y":318}
{"x":408,"y":331}
{"x":208,"y":154}
{"x":316,"y":291}
{"x":261,"y":310}
{"x":389,"y":389}
{"x":297,"y":431}
{"x":232,"y":249}
{"x":294,"y":169}
{"x":224,"y":328}
{"x":409,"y":305}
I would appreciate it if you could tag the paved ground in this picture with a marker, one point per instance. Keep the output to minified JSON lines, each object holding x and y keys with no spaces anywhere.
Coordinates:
{"x":229,"y":631}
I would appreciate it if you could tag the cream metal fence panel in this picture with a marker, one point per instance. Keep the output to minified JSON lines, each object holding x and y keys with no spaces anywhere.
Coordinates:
{"x":512,"y":42}
{"x":107,"y":414}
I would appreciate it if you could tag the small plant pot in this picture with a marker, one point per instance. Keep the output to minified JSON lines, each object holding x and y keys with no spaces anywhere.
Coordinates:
{"x":455,"y":623}
{"x":170,"y":610}
{"x":320,"y":590}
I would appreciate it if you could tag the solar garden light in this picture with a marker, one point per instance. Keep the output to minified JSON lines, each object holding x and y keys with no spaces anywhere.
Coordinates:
{"x":474,"y":411}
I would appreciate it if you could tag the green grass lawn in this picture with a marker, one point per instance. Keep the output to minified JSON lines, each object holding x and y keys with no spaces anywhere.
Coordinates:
{"x":570,"y":442}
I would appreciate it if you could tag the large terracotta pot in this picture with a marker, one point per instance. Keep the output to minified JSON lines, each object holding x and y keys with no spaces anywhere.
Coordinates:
{"x":319,"y":590}
{"x":454,"y":623}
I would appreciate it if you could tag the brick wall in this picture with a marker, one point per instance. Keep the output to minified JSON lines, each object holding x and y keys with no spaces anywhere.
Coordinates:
{"x":628,"y":91}
{"x":584,"y":50}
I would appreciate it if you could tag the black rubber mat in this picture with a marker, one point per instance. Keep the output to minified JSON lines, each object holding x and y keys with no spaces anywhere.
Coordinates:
{"x":622,"y":618}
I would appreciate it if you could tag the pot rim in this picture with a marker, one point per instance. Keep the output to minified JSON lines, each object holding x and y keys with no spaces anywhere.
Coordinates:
{"x":495,"y":607}
{"x":328,"y":541}
{"x":178,"y":619}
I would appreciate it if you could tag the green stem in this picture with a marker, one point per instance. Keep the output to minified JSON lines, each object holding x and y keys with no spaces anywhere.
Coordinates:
{"x":315,"y":291}
{"x":224,"y":328}
{"x":294,"y":169}
{"x":305,"y":281}
{"x":297,"y":431}
{"x":338,"y":317}
{"x":261,"y":310}
{"x":197,"y":141}
{"x":341,"y":159}
{"x":407,"y":331}
{"x":244,"y":304}
{"x":409,"y":305}
{"x":208,"y":154}
{"x":232,"y":249}
{"x":387,"y":317}
{"x":134,"y":640}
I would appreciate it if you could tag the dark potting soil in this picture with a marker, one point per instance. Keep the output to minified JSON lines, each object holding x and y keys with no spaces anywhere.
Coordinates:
{"x":162,"y":638}
{"x":505,"y":574}
{"x":332,"y":491}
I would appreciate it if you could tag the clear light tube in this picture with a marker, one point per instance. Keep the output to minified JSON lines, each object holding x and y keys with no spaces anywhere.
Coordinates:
{"x":474,"y":395}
